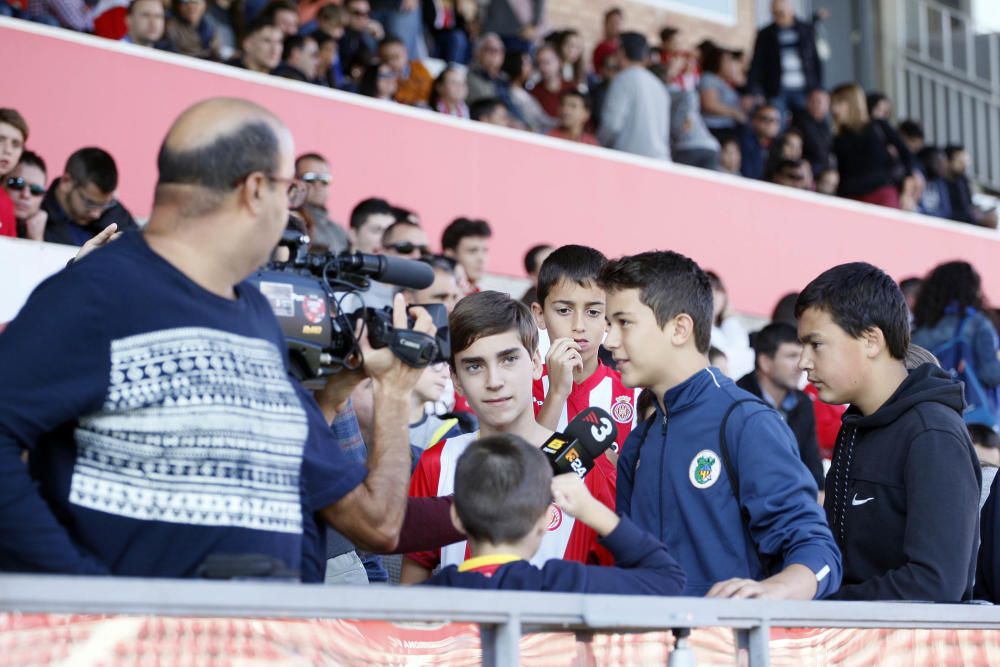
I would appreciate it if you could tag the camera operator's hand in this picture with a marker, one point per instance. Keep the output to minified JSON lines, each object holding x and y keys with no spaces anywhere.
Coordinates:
{"x":386,"y":370}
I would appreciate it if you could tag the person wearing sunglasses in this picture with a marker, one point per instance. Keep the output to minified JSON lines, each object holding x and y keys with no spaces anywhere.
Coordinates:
{"x":325,"y":234}
{"x":405,"y":239}
{"x":26,"y":187}
{"x":81,"y":203}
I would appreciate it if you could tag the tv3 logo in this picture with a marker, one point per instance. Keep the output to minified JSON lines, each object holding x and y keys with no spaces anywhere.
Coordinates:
{"x":602,"y":426}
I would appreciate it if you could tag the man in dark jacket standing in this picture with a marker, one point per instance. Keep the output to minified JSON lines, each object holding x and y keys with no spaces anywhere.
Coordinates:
{"x":775,"y":380}
{"x":785,"y":62}
{"x":902,"y":495}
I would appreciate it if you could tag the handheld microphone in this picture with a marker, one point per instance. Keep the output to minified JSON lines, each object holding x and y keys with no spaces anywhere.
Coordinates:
{"x":588,"y":436}
{"x":393,"y":270}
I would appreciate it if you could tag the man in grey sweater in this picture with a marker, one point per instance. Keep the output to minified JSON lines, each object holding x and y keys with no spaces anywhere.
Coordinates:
{"x":636,"y":113}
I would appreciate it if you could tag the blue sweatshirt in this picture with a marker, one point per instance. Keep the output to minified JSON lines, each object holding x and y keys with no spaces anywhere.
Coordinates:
{"x":672,"y":483}
{"x":161,"y":423}
{"x":643,"y":567}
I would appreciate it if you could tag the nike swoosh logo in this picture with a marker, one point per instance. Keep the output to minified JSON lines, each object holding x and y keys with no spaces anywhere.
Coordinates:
{"x":855,"y":501}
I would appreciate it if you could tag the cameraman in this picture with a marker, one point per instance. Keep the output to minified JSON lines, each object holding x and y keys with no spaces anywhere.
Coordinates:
{"x":150,"y":385}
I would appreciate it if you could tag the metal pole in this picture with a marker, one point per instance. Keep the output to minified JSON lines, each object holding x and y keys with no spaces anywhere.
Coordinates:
{"x":501,"y":643}
{"x":759,"y":646}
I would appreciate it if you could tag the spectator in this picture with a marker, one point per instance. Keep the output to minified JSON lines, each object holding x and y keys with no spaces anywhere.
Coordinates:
{"x":533,"y":260}
{"x":756,"y":140}
{"x":443,"y":290}
{"x":785,"y":62}
{"x":467,"y":241}
{"x":574,"y":116}
{"x":358,"y":43}
{"x":910,"y":287}
{"x":403,"y":18}
{"x":405,"y":239}
{"x":283,"y":14}
{"x":550,"y":86}
{"x":485,"y":78}
{"x":369,"y":220}
{"x":787,"y":147}
{"x":569,"y":45}
{"x":793,"y":174}
{"x":189,"y":32}
{"x":828,"y":182}
{"x":329,"y":72}
{"x":299,"y":59}
{"x":429,"y":429}
{"x":179,"y":295}
{"x":728,"y":333}
{"x":775,"y":379}
{"x":636,"y":113}
{"x":813,"y":122}
{"x":609,"y":43}
{"x":517,"y":22}
{"x":379,"y":81}
{"x":868,"y":172}
{"x":81,"y":202}
{"x":879,"y":106}
{"x":960,"y":190}
{"x":770,"y":538}
{"x":691,"y":143}
{"x":262,"y":47}
{"x":325,"y":234}
{"x":730,"y":157}
{"x":685,"y":71}
{"x":720,"y":101}
{"x":72,"y":14}
{"x":912,"y":532}
{"x":226,"y":18}
{"x":26,"y":187}
{"x":491,"y":111}
{"x":332,"y":19}
{"x":951,"y":296}
{"x":13,"y":135}
{"x":527,"y":111}
{"x":503,"y":496}
{"x":447,"y":23}
{"x":146,"y":23}
{"x":413,"y":81}
{"x":912,"y":134}
{"x":450,"y":91}
{"x":598,"y":92}
{"x":936,"y":200}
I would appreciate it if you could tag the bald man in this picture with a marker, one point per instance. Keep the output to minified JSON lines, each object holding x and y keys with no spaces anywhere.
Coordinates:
{"x":149,"y":383}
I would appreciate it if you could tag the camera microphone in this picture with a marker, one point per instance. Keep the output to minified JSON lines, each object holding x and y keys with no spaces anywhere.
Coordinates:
{"x":588,"y":436}
{"x":394,"y":270}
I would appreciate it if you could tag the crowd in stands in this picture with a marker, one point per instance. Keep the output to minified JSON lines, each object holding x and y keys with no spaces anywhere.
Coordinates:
{"x":769,"y":116}
{"x":733,"y":497}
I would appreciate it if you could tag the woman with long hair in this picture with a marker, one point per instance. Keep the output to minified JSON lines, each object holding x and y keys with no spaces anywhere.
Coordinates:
{"x":871,"y":156}
{"x":950,"y":294}
{"x":449,"y":93}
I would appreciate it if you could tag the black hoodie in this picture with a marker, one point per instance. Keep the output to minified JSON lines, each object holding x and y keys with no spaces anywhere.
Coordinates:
{"x":902,"y":495}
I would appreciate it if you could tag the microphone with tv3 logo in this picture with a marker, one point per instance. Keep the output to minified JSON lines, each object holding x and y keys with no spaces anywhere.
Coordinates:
{"x":588,"y":436}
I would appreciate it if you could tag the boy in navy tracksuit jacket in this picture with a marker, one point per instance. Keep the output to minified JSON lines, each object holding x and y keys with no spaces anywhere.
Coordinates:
{"x":772,"y":539}
{"x":504,"y":494}
{"x":902,"y":494}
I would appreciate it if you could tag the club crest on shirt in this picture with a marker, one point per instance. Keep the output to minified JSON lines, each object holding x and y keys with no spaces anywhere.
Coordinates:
{"x":704,"y":469}
{"x":314,"y":308}
{"x":555,"y":517}
{"x":622,"y":410}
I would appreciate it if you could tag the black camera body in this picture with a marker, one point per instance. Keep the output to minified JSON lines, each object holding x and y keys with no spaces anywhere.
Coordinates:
{"x":319,"y":299}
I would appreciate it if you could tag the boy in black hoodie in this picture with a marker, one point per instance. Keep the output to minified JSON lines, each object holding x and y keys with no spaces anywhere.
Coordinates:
{"x":902,"y":495}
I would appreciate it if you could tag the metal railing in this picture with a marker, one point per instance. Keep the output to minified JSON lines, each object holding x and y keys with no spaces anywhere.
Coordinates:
{"x":503,"y":617}
{"x":949,"y":79}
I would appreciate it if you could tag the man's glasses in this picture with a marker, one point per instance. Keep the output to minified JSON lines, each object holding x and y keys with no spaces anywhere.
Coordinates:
{"x":313,"y":177}
{"x":769,"y":119}
{"x":406,"y":248}
{"x":92,"y":205}
{"x":18,"y":184}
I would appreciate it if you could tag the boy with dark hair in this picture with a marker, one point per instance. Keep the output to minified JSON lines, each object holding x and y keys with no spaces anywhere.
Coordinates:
{"x":494,"y":345}
{"x":503,"y":498}
{"x":571,"y":308}
{"x":720,"y":480}
{"x":532,"y":263}
{"x":574,"y":116}
{"x":369,"y":220}
{"x":903,"y":491}
{"x":467,"y":241}
{"x":775,"y":379}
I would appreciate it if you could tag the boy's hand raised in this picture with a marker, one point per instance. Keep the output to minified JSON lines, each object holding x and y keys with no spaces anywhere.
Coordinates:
{"x":572,"y":495}
{"x":564,"y":360}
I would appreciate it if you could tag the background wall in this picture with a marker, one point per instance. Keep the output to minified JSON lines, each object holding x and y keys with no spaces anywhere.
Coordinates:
{"x":764,"y":240}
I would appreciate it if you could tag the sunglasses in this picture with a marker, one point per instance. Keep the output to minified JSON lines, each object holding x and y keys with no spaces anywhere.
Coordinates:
{"x":406,"y":248}
{"x":313,"y":177}
{"x":18,"y":184}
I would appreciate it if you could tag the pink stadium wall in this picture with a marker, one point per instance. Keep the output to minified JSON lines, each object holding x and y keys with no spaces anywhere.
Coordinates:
{"x":76,"y":91}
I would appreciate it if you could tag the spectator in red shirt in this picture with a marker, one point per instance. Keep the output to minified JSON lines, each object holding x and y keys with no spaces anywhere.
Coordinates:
{"x":574,"y":114}
{"x":26,"y":187}
{"x":613,"y":19}
{"x":550,"y":87}
{"x":13,"y":134}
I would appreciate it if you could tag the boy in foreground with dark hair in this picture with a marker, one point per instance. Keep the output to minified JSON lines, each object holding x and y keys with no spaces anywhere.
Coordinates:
{"x":720,"y":480}
{"x":902,"y":495}
{"x":503,"y":491}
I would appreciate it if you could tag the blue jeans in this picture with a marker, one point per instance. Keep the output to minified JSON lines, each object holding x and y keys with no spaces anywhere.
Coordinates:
{"x":452,"y":46}
{"x":408,"y":26}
